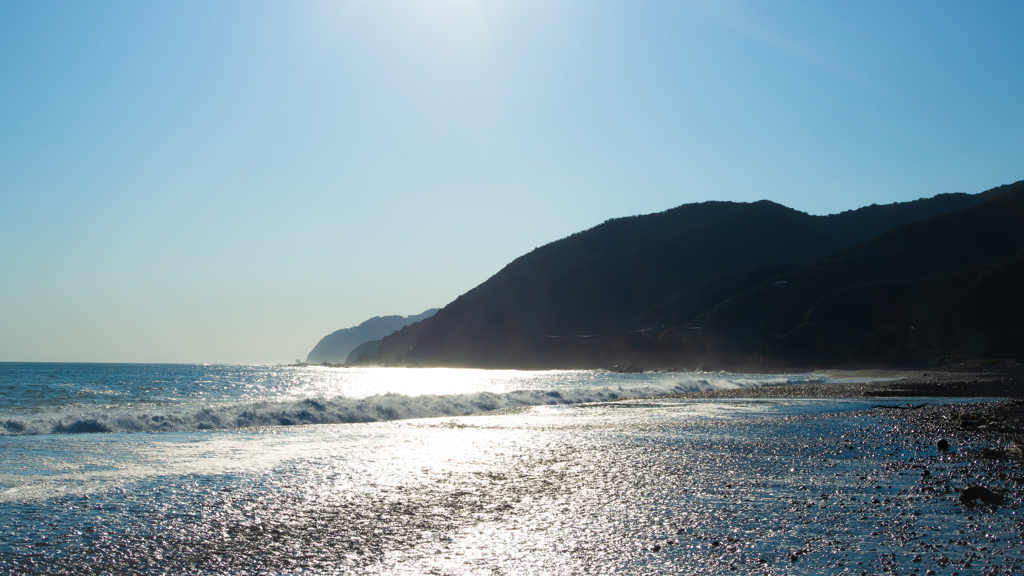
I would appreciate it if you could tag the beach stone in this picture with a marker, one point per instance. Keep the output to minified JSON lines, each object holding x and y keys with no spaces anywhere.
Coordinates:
{"x":942,"y":444}
{"x":972,"y":493}
{"x":993,"y":454}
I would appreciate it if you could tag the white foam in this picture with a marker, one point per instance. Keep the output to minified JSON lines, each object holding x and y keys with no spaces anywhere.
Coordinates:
{"x":337,"y":410}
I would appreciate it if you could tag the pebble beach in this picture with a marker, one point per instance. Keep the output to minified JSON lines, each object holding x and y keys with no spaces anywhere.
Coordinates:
{"x":854,"y":472}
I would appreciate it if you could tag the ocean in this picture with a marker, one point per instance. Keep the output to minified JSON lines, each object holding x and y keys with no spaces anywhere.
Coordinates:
{"x":195,"y":469}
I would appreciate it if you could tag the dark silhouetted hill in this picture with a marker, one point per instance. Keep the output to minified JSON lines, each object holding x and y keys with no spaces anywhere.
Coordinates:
{"x":856,"y":226}
{"x":363,"y":349}
{"x":598,"y":280}
{"x":726,"y":283}
{"x":945,"y":287}
{"x":336,"y":346}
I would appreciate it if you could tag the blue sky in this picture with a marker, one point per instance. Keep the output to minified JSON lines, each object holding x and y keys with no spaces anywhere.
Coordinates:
{"x":225,"y":181}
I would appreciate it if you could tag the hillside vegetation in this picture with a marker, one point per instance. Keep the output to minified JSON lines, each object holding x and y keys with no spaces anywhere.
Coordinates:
{"x":729,"y":284}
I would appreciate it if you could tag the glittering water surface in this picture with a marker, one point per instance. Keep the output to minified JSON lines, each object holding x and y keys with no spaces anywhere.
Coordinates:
{"x":43,"y":398}
{"x":634,"y":487}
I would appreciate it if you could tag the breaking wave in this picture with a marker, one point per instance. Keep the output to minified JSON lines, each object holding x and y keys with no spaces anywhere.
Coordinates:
{"x":338,"y":410}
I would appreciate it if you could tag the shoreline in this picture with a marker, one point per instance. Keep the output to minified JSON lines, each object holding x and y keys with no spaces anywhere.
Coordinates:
{"x":957,"y":381}
{"x":865,"y":491}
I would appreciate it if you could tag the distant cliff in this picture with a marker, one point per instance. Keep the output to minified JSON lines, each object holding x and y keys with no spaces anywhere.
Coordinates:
{"x":336,"y":346}
{"x":727,"y":283}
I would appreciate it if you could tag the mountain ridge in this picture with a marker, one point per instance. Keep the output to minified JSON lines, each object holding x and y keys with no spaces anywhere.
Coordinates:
{"x":538,"y":310}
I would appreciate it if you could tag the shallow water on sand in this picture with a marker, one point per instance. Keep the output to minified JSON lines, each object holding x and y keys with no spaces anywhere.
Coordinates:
{"x":639,"y":487}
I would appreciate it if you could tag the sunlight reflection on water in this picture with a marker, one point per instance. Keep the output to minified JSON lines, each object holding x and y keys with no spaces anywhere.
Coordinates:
{"x":716,"y":486}
{"x":99,"y":398}
{"x":363,"y":382}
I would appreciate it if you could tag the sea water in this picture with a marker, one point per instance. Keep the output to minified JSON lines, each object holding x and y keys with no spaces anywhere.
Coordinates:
{"x":45,"y":398}
{"x":151,"y":469}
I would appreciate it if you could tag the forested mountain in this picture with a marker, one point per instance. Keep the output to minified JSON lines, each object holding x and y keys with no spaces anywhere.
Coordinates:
{"x":946,"y":286}
{"x":694,"y":285}
{"x":856,"y":226}
{"x":596,"y":281}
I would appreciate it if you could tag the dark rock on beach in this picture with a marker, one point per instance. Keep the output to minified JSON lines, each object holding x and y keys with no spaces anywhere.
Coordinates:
{"x":972,"y":493}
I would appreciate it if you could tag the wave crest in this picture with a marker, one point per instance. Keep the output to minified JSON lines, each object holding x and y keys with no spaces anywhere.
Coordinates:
{"x":340,"y":410}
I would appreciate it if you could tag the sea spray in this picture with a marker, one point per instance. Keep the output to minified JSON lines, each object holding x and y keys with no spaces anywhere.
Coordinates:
{"x":161,"y":398}
{"x":377,"y":408}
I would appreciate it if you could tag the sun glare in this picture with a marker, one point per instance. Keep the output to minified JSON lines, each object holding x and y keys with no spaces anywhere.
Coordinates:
{"x":456,"y":24}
